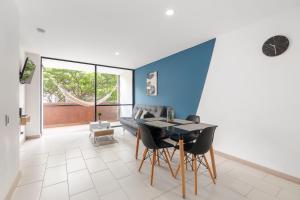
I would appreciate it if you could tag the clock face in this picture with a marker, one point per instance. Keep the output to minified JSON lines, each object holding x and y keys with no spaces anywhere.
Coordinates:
{"x":275,"y":45}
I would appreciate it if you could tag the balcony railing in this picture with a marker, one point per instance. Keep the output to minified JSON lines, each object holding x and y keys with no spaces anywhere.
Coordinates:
{"x":67,"y":114}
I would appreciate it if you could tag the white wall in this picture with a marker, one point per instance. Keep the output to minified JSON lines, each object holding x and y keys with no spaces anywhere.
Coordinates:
{"x":255,"y":99}
{"x":22,"y":94}
{"x":22,"y":105}
{"x":9,"y":99}
{"x":33,"y":98}
{"x":126,"y":93}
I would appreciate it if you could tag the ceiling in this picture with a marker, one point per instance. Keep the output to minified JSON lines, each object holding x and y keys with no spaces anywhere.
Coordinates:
{"x":93,"y":30}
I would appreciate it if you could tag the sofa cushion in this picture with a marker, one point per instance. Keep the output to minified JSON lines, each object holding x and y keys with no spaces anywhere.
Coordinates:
{"x":157,"y":111}
{"x":152,"y":111}
{"x":143,"y":114}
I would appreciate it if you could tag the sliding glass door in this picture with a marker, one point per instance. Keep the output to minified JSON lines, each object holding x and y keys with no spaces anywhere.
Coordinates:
{"x":75,"y":93}
{"x":114,"y":93}
{"x":68,"y":93}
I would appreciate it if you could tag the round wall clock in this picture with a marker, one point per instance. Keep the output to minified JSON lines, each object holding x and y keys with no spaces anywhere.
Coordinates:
{"x":275,"y":45}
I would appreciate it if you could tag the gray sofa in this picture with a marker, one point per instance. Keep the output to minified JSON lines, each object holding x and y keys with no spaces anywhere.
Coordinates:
{"x":130,"y":124}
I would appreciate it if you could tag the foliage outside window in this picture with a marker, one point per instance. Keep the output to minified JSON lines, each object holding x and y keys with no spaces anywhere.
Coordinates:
{"x":80,"y":84}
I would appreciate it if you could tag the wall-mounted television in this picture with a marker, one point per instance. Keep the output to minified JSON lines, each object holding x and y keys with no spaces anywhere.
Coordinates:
{"x":27,"y":72}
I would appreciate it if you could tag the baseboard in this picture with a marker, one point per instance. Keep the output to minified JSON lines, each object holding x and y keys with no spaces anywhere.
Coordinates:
{"x":13,"y":186}
{"x":30,"y":137}
{"x":260,"y":167}
{"x":63,"y":125}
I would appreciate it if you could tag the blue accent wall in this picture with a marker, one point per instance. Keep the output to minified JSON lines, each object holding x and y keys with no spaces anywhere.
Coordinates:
{"x":181,"y":79}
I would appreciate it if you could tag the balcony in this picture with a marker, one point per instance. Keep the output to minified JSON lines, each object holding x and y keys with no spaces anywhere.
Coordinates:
{"x":69,"y":114}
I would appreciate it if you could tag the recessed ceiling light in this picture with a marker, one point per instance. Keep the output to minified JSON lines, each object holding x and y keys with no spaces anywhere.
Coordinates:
{"x":40,"y":30}
{"x":117,"y":53}
{"x":170,"y":12}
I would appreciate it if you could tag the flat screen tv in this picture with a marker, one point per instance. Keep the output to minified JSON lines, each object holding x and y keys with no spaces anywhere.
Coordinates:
{"x":27,"y":72}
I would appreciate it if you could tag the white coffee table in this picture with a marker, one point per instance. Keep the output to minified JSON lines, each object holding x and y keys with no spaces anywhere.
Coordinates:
{"x":101,"y":132}
{"x":99,"y":125}
{"x":100,"y":128}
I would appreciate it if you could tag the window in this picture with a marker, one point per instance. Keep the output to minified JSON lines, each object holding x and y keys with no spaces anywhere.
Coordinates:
{"x":75,"y":93}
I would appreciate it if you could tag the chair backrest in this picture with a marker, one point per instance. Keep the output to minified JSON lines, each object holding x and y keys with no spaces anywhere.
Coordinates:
{"x":147,"y":137}
{"x":193,"y":118}
{"x":204,"y":141}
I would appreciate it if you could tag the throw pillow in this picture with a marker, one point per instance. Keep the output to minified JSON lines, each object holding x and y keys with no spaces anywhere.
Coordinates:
{"x":148,"y":115}
{"x":143,"y":114}
{"x":138,"y":113}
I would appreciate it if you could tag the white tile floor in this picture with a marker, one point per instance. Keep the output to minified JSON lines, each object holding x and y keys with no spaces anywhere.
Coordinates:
{"x":64,"y":164}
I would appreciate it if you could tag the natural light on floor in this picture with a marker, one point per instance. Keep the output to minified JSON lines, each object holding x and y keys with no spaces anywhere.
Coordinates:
{"x":65,"y":163}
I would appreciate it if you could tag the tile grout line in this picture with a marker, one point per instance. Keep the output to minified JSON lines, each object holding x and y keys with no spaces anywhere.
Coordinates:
{"x":54,"y":184}
{"x":252,"y":188}
{"x":44,"y":176}
{"x":28,"y":183}
{"x":130,"y":164}
{"x":67,"y":175}
{"x":277,"y":194}
{"x":113,"y":176}
{"x":91,"y":177}
{"x":120,"y":186}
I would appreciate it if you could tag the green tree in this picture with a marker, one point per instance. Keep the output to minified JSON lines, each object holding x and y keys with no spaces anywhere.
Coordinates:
{"x":80,"y":84}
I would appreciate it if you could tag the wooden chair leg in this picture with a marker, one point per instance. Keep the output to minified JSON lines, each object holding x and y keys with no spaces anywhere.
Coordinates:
{"x":186,"y":162}
{"x":195,"y":173}
{"x":213,"y":163}
{"x":168,"y":154}
{"x":137,"y":143}
{"x":157,"y":156}
{"x":192,"y":165}
{"x":168,"y":162}
{"x":209,"y":170}
{"x":143,"y":159}
{"x":177,"y":170}
{"x":152,"y":166}
{"x":173,"y":153}
{"x":182,"y":169}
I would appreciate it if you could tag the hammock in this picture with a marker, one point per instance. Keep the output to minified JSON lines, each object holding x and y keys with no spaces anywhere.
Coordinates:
{"x":74,"y":99}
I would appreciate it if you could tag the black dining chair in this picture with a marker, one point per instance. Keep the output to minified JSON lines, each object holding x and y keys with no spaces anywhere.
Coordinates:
{"x":187,"y":138}
{"x":157,"y":133}
{"x":153,"y":148}
{"x":197,"y":150}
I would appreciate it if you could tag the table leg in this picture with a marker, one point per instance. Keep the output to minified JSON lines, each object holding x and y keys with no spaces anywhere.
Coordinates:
{"x":213,"y":163}
{"x":195,"y":173}
{"x":137,"y":143}
{"x":182,"y":168}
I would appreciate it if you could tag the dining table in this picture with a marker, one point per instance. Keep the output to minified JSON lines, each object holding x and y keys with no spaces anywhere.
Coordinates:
{"x":179,"y":128}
